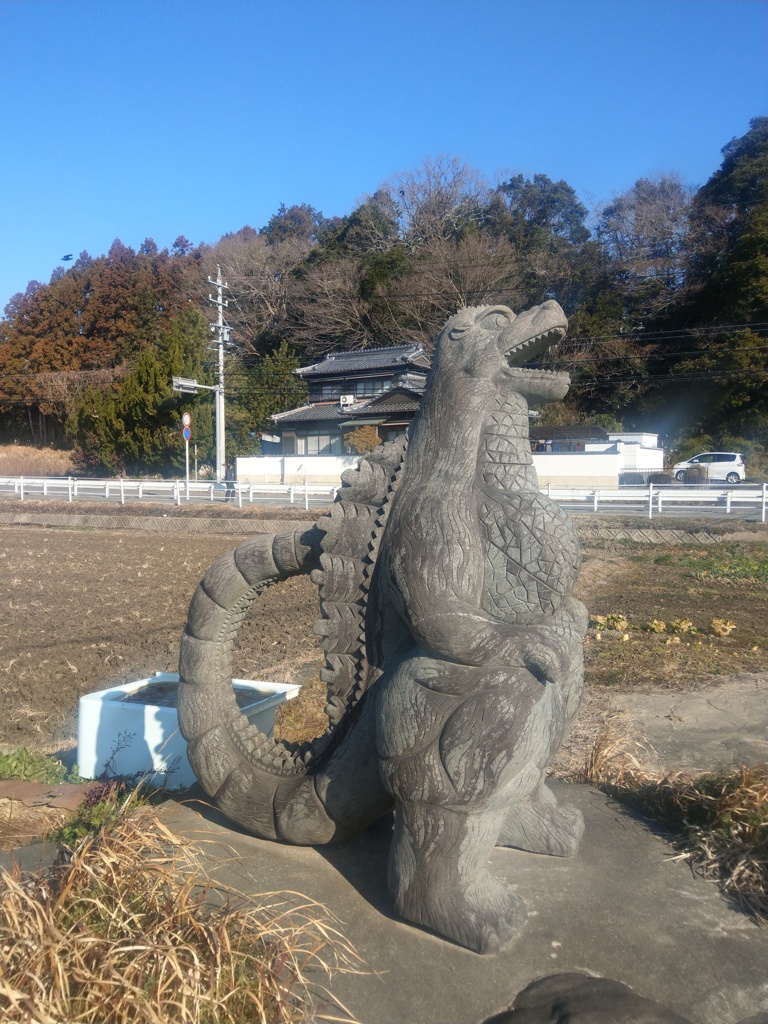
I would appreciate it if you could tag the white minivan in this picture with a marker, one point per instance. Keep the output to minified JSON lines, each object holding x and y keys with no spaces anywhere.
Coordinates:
{"x":728,"y":466}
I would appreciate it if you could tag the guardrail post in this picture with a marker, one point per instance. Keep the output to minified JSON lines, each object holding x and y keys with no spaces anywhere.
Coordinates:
{"x":650,"y":501}
{"x":106,"y":489}
{"x":176,"y":492}
{"x":211,"y":492}
{"x":250,"y":494}
{"x":69,"y":488}
{"x":291,"y":494}
{"x":122,"y":491}
{"x":595,"y":500}
{"x":45,"y":488}
{"x":187,"y":487}
{"x":727,"y":503}
{"x":21,"y":488}
{"x":239,"y":495}
{"x":765,"y":493}
{"x":658,"y":503}
{"x":306,"y":495}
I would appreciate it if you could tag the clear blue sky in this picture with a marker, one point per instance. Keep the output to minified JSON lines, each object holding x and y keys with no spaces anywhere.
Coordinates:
{"x":136,"y":118}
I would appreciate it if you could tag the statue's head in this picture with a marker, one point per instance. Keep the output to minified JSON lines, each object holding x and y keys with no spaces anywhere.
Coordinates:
{"x":491,"y":343}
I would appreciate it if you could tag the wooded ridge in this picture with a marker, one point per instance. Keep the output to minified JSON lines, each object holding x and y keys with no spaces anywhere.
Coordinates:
{"x":666,"y":290}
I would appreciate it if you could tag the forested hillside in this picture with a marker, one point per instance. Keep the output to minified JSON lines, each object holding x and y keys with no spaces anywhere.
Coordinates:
{"x":666,"y":289}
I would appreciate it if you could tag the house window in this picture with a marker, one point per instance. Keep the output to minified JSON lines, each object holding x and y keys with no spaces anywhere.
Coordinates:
{"x":323,"y":444}
{"x":370,"y":387}
{"x":289,"y":444}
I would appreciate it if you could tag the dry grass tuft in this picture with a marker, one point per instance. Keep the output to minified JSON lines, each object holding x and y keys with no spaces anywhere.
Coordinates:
{"x":304,"y":717}
{"x":25,"y":460}
{"x":720,"y":817}
{"x":128,"y":931}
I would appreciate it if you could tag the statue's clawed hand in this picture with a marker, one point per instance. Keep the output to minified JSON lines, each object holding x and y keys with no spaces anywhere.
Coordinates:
{"x":538,"y":649}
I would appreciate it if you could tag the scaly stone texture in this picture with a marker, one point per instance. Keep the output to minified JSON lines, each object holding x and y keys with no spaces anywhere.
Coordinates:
{"x":453,"y":645}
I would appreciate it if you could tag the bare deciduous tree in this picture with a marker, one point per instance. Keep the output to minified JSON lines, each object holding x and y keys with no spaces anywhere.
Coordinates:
{"x":448,"y":275}
{"x":259,"y":275}
{"x":439,"y":199}
{"x":644,"y":232}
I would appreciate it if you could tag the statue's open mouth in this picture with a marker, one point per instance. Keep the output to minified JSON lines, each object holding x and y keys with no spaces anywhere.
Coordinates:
{"x":529,"y":349}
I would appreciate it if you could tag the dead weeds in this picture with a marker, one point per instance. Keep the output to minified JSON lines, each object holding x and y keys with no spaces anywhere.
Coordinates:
{"x":131,"y":931}
{"x":720,"y":819}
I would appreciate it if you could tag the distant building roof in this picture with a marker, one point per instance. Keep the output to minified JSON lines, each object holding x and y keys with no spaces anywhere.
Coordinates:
{"x":401,"y":397}
{"x":397,"y":357}
{"x":312,"y":413}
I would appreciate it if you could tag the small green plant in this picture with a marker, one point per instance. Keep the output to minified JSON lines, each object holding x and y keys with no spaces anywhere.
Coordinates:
{"x":100,"y":809}
{"x":656,"y":626}
{"x":32,"y":767}
{"x":617,"y":621}
{"x":680,"y":626}
{"x":721,"y":627}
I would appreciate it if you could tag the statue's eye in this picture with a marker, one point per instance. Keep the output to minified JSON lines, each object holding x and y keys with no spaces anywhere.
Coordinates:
{"x":456,"y":332}
{"x":493,"y":321}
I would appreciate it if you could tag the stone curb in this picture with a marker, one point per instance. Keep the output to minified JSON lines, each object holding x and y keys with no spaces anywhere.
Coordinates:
{"x":181,"y":524}
{"x":648,"y":536}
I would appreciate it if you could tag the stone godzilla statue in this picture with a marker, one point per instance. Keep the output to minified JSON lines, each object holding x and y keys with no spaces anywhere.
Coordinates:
{"x":453,"y":645}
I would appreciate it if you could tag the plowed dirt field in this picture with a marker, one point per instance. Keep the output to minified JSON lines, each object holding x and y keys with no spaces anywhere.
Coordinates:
{"x":83,"y":609}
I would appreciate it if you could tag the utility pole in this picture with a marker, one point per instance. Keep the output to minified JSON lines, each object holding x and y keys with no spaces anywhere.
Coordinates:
{"x":222,"y":332}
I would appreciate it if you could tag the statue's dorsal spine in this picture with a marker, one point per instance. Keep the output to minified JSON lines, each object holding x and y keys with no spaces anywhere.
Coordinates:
{"x":353,"y":531}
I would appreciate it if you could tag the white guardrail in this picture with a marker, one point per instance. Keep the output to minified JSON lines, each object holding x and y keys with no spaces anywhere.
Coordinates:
{"x":655,"y":499}
{"x":122,"y":490}
{"x":648,"y":501}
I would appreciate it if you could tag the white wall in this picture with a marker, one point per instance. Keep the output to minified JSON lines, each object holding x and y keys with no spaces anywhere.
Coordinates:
{"x":565,"y":469}
{"x":578,"y":469}
{"x":637,"y":457}
{"x":294,"y":469}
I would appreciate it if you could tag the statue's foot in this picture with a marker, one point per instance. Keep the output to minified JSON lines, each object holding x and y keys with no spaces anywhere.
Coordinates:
{"x":482,"y":916}
{"x":541,"y":826}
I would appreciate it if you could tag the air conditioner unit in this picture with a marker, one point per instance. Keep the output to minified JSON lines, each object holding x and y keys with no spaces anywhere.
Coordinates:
{"x":347,"y":400}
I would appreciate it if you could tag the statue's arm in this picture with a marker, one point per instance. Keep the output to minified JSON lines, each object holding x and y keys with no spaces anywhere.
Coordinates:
{"x":470,"y":636}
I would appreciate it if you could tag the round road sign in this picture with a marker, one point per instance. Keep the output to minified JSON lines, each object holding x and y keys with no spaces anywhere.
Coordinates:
{"x":187,"y":433}
{"x":186,"y":419}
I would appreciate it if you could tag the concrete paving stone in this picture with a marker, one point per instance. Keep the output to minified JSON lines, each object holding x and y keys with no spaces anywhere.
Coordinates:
{"x":35,"y":857}
{"x":624,"y":909}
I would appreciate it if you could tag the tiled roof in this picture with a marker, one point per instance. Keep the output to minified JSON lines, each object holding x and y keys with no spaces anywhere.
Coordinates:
{"x":404,"y":396}
{"x":410,"y":382}
{"x":394,"y":358}
{"x":394,"y":403}
{"x":311,"y":413}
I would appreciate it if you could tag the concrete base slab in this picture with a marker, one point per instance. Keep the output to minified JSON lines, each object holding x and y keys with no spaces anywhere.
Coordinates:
{"x":720,"y":727}
{"x":623,"y":909}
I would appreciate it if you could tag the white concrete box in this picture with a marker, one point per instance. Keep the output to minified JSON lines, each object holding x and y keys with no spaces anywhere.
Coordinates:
{"x":134,"y":728}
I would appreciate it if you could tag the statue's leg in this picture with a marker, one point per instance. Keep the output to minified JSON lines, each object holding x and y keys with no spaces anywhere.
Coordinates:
{"x":439,"y":878}
{"x":535,"y":820}
{"x":452,"y":743}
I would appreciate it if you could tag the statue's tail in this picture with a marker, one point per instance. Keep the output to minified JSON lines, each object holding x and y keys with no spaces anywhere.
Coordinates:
{"x":303,"y":793}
